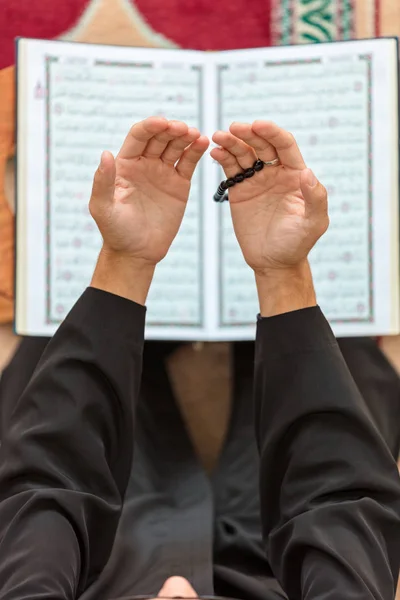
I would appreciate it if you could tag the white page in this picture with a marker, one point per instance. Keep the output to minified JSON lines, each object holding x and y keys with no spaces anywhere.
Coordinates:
{"x":88,"y":98}
{"x":339,"y":101}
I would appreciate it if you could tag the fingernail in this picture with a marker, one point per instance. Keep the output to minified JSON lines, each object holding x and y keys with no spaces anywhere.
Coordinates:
{"x":311,"y":179}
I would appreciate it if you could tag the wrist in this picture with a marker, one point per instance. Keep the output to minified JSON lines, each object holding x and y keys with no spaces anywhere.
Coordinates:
{"x":123,"y":275}
{"x":285,"y":289}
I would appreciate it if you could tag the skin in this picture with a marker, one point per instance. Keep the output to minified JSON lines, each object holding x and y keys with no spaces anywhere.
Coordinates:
{"x":177,"y":587}
{"x":139,"y":199}
{"x":278,"y":215}
{"x":138,"y":202}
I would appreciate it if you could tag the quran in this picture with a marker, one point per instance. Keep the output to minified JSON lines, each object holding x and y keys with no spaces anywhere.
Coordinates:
{"x":340,"y":100}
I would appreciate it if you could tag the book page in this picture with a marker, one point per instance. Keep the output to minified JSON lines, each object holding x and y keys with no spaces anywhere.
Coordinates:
{"x":339,"y":102}
{"x":81,"y":100}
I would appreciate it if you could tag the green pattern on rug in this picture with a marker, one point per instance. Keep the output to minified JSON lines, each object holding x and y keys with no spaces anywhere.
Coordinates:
{"x":313,"y":21}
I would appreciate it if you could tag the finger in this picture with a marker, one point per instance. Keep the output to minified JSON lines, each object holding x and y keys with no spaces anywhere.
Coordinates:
{"x":245,"y":154}
{"x":263,"y":149}
{"x":103,"y":184}
{"x":191,"y":156}
{"x":227,"y":161}
{"x":314,"y":194}
{"x":140,"y":135}
{"x":159,"y":142}
{"x":283,"y":141}
{"x":174,"y":149}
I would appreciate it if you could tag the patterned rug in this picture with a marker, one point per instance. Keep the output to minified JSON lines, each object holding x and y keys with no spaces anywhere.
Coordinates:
{"x":199,"y":24}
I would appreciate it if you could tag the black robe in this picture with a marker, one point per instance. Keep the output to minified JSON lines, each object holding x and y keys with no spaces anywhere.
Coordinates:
{"x":101,"y":494}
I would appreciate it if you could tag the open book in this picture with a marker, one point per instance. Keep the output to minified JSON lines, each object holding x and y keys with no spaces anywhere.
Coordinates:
{"x":341,"y":102}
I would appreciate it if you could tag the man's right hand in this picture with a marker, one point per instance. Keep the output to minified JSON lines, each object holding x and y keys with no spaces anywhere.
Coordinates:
{"x":138,"y":202}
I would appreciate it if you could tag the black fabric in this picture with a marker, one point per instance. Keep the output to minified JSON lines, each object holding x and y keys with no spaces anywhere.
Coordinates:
{"x":102,"y":496}
{"x":379,"y":385}
{"x":330,"y":514}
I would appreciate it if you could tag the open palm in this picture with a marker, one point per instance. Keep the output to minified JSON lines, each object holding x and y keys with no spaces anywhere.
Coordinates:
{"x":139,"y":198}
{"x":274,"y":222}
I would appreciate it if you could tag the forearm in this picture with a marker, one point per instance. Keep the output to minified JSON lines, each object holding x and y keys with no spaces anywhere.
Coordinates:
{"x":123,"y":275}
{"x":67,"y":450}
{"x":330,"y":496}
{"x":285,"y":290}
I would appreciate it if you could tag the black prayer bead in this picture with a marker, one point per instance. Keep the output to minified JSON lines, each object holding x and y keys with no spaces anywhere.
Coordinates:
{"x":239,"y":177}
{"x":230,"y":182}
{"x":220,"y":196}
{"x":249,"y":172}
{"x":258,"y":165}
{"x":223,"y":185}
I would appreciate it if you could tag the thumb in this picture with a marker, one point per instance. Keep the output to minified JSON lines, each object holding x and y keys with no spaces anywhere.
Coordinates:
{"x":314,"y":194}
{"x":103,"y":183}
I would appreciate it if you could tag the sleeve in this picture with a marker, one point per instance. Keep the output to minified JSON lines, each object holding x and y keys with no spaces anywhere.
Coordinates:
{"x":379,"y":385}
{"x":329,"y":486}
{"x":16,"y":375}
{"x":66,"y":452}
